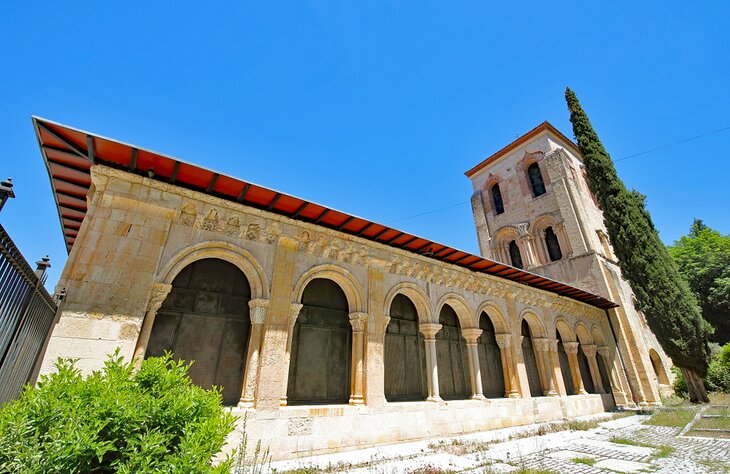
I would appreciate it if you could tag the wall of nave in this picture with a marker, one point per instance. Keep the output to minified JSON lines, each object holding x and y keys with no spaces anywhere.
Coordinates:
{"x":326,"y":340}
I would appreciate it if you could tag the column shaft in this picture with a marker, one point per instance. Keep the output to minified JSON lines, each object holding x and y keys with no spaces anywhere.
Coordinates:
{"x":358,"y":322}
{"x":429,"y":331}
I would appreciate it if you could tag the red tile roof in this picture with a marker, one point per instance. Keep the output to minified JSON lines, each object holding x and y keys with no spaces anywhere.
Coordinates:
{"x":69,"y":154}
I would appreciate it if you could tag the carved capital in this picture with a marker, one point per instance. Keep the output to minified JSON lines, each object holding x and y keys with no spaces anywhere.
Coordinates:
{"x":604,"y":351}
{"x":523,"y":228}
{"x":258,"y":310}
{"x":429,"y":330}
{"x":294,"y":309}
{"x":471,"y":334}
{"x":589,"y":350}
{"x":384,"y":323}
{"x":553,"y":345}
{"x":158,"y":295}
{"x":541,"y":344}
{"x":358,"y":321}
{"x":504,"y":341}
{"x":570,"y":347}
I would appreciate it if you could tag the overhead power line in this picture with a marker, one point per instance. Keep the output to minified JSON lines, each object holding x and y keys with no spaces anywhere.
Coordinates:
{"x":674,"y":143}
{"x":651,"y":150}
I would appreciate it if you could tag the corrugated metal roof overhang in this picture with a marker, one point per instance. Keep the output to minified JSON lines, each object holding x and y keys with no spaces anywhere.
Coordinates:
{"x":69,"y":154}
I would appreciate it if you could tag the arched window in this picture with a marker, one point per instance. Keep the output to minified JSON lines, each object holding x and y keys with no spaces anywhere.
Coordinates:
{"x":603,"y":371}
{"x":451,"y":358}
{"x":490,"y":359}
{"x":536,"y":182}
{"x":565,"y":367}
{"x":405,"y":360}
{"x":514,"y":254}
{"x":528,"y":354}
{"x":205,"y":320}
{"x":585,"y":371}
{"x":497,"y":199}
{"x":319,"y":371}
{"x":553,"y":246}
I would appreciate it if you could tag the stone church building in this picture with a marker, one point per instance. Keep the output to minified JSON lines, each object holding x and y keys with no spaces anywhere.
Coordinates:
{"x":330,"y":331}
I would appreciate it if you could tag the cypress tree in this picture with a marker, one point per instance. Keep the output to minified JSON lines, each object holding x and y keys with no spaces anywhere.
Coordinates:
{"x":662,"y":294}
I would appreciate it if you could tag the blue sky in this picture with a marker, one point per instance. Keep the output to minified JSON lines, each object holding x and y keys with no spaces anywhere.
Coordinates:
{"x":375,"y":108}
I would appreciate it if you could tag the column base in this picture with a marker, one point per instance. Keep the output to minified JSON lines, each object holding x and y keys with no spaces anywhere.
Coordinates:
{"x":582,"y":392}
{"x":478,"y":397}
{"x":435,"y":399}
{"x":356,"y":401}
{"x":245,"y":403}
{"x":551,"y":393}
{"x":512,"y":395}
{"x":282,"y":402}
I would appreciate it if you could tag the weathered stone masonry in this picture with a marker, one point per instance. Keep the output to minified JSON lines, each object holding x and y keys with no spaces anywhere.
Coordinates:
{"x":139,"y":234}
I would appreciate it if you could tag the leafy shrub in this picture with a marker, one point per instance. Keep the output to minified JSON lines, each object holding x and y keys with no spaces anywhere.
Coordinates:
{"x":115,"y":420}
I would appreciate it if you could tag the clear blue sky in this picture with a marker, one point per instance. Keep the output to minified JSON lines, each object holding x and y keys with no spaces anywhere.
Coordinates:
{"x":376,"y":108}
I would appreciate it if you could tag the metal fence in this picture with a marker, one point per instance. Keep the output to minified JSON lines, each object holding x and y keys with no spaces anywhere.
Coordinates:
{"x":27,"y":313}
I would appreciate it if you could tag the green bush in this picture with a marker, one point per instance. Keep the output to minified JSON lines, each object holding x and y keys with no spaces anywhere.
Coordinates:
{"x":115,"y":420}
{"x":718,"y":374}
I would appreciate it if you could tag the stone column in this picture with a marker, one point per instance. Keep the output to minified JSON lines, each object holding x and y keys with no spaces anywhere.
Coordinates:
{"x":527,"y":248}
{"x":475,"y":374}
{"x":590,"y":351}
{"x":557,"y":370}
{"x":358,"y":322}
{"x":542,"y":345}
{"x":571,"y":348}
{"x":508,"y":368}
{"x":157,"y":297}
{"x":429,"y":331}
{"x":294,"y":310}
{"x":250,"y":377}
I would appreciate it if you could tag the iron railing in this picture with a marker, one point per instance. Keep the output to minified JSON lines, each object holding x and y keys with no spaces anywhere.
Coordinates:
{"x":27,"y":314}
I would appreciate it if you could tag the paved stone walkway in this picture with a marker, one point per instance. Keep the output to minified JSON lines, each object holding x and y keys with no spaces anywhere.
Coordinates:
{"x":512,"y":449}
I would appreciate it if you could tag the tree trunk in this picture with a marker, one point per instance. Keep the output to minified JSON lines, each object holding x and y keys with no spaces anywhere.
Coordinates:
{"x":695,"y":386}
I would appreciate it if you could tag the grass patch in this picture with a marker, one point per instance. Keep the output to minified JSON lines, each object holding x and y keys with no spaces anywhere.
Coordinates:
{"x":716,"y":423}
{"x":673,"y":418}
{"x":582,"y":425}
{"x":714,"y":465}
{"x":587,"y":461}
{"x":630,"y":442}
{"x":664,"y":451}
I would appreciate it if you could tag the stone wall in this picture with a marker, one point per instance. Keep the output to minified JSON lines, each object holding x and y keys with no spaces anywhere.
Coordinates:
{"x":140,"y":233}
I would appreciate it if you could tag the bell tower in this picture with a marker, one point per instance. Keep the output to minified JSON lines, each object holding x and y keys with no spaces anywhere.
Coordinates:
{"x":533,"y":210}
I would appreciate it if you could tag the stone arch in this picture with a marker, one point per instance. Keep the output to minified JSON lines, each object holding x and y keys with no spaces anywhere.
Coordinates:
{"x":461,"y":307}
{"x":597,"y":335}
{"x":524,"y":164}
{"x":537,"y":229}
{"x":320,"y":366}
{"x":496,"y":315}
{"x":502,"y":238}
{"x":659,"y":370}
{"x":537,"y":328}
{"x":240,"y":257}
{"x":563,"y":328}
{"x":205,"y":319}
{"x":346,"y":280}
{"x":583,"y":334}
{"x":404,"y":358}
{"x":417,"y":296}
{"x":488,"y":195}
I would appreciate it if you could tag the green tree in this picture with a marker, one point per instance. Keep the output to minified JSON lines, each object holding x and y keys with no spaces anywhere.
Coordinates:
{"x":703,"y":257}
{"x":663,"y":295}
{"x":115,"y":420}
